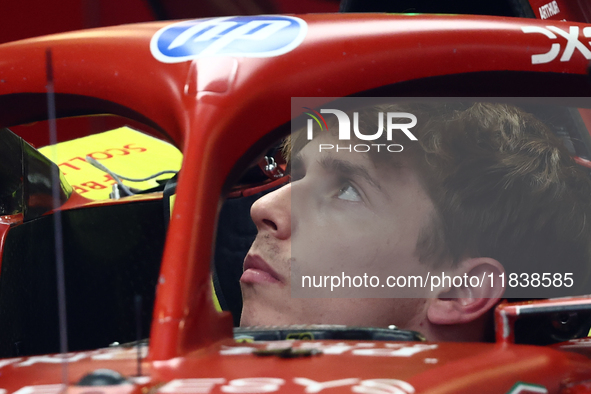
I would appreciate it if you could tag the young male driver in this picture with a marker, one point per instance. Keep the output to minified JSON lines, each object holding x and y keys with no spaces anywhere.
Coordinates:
{"x":486,"y":186}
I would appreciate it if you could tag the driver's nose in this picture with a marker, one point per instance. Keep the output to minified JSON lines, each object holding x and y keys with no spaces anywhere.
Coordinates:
{"x":272,"y":213}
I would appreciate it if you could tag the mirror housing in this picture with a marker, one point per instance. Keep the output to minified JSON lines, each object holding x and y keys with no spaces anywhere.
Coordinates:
{"x":26,"y":179}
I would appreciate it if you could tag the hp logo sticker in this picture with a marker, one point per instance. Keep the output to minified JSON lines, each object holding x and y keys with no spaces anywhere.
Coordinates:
{"x":239,"y":36}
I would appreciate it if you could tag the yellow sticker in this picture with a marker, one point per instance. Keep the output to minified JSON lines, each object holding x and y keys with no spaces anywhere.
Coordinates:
{"x":216,"y":301}
{"x":303,"y":336}
{"x":244,"y":339}
{"x":124,"y":151}
{"x":171,"y":201}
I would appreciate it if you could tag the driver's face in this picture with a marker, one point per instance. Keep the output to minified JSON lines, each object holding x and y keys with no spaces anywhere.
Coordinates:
{"x":340,"y":212}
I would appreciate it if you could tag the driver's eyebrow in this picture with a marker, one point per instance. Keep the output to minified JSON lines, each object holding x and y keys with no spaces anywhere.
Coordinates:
{"x":332,"y":164}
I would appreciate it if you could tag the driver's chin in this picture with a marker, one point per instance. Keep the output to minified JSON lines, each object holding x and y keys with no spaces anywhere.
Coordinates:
{"x":264,"y":305}
{"x":265,"y":311}
{"x":258,"y":315}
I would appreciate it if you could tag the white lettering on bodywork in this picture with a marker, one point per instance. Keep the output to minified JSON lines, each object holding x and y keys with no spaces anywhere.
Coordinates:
{"x":572,"y":43}
{"x":253,"y":385}
{"x":58,"y":358}
{"x":315,"y":387}
{"x":383,"y":386}
{"x":395,"y":350}
{"x":268,"y":385}
{"x":42,"y":389}
{"x":191,"y":386}
{"x":549,"y":10}
{"x":9,"y":361}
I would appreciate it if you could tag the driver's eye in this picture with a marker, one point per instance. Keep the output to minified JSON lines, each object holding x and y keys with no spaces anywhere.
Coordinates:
{"x":349,"y":193}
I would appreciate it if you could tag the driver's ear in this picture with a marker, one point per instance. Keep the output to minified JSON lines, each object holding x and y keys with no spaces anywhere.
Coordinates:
{"x":463,"y":304}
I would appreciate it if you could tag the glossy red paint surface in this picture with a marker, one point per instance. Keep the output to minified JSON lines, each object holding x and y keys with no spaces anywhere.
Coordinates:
{"x":446,"y":367}
{"x":210,"y":111}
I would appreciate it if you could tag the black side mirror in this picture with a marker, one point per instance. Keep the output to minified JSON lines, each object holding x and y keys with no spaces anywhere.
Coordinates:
{"x":26,"y":179}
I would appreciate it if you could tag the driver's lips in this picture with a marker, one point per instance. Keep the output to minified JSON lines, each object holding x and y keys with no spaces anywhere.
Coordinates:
{"x":256,"y":270}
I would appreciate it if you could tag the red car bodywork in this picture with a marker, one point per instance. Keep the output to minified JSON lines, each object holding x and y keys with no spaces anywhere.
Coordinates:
{"x":221,"y":112}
